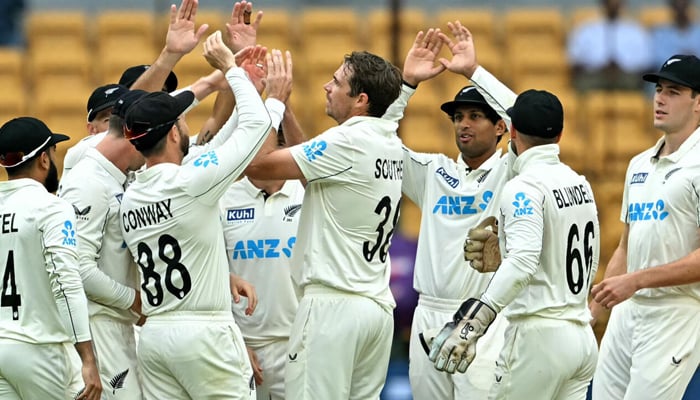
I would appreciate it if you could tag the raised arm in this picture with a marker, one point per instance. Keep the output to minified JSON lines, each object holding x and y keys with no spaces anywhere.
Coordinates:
{"x":181,"y":39}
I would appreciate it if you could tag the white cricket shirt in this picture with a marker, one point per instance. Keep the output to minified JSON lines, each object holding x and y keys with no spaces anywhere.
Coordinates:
{"x":260,"y":237}
{"x":661,"y":205}
{"x":42,"y":296}
{"x":351,"y":207}
{"x":95,"y":189}
{"x":76,"y":153}
{"x":549,"y":223}
{"x":170,"y":216}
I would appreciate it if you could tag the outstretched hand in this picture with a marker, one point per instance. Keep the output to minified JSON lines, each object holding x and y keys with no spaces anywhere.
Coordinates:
{"x":279,"y":75}
{"x":182,"y":37}
{"x":217,"y":54}
{"x":240,"y":31}
{"x":256,"y":67}
{"x":462,"y":48}
{"x":419,"y":64}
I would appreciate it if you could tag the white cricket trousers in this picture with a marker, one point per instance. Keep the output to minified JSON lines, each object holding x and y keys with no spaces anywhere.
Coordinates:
{"x":545,"y":359}
{"x":427,"y":383}
{"x":272,"y":358}
{"x":339,"y":347}
{"x":115,"y":348}
{"x":650,"y":350}
{"x":194,"y":355}
{"x":37,"y":371}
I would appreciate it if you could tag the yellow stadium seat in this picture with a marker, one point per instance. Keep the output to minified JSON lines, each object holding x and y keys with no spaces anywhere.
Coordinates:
{"x":528,"y":28}
{"x":409,"y":221}
{"x":277,"y":31}
{"x":379,"y":34}
{"x":322,"y":32}
{"x":481,"y":23}
{"x":619,"y":125}
{"x":118,"y":31}
{"x":547,"y":69}
{"x":112,"y":64}
{"x":583,"y":14}
{"x":56,"y":70}
{"x":197,"y":116}
{"x":12,"y":67}
{"x":652,"y":15}
{"x":56,"y":30}
{"x":13,"y":103}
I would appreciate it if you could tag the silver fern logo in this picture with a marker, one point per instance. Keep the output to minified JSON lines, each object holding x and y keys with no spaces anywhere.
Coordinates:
{"x":118,"y":381}
{"x":290,"y":212}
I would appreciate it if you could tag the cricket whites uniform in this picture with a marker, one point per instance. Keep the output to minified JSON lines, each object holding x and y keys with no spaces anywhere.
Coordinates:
{"x":260,"y":235}
{"x":548,"y":226}
{"x":651,"y":346}
{"x":78,"y":150}
{"x":453,"y":199}
{"x":44,"y":311}
{"x":341,"y":338}
{"x":190,"y":346}
{"x":95,"y":188}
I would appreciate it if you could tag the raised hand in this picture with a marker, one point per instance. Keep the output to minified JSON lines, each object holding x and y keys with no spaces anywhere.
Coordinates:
{"x":182,"y":37}
{"x":419,"y":64}
{"x":279,"y":75}
{"x":217,"y":54}
{"x":255,"y":66}
{"x":462,"y":48}
{"x":240,"y":31}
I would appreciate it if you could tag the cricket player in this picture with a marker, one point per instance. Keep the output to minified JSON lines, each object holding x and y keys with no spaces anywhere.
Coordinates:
{"x":549,"y":232}
{"x":43,"y":308}
{"x":651,"y":346}
{"x":454,"y":196}
{"x":190,"y":346}
{"x":260,"y":220}
{"x":95,"y":188}
{"x":341,"y":337}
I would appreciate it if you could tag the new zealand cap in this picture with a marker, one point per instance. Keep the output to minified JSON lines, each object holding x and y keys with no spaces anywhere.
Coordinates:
{"x":131,"y":74}
{"x":681,"y":69}
{"x":469,"y":95}
{"x":125,"y":100}
{"x":150,"y":117}
{"x":23,"y":138}
{"x":102,"y":98}
{"x":537,"y":113}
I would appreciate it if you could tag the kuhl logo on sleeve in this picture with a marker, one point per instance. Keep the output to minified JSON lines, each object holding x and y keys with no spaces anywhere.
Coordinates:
{"x":315,"y":149}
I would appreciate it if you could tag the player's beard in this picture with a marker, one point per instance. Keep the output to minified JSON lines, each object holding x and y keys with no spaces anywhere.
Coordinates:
{"x":185,"y":145}
{"x":51,"y":182}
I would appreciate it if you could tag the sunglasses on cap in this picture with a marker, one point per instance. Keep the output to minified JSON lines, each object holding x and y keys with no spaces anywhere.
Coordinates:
{"x":15,"y":158}
{"x":141,"y":129}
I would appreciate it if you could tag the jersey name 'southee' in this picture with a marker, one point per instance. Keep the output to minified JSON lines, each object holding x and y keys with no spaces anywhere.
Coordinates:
{"x":7,"y":223}
{"x":388,"y":169}
{"x":572,"y":196}
{"x":151,"y":214}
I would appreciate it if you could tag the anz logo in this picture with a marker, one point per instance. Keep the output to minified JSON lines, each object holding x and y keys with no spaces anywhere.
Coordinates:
{"x":314,"y":149}
{"x":68,"y":234}
{"x":462,"y":205}
{"x":263,"y":248}
{"x":522,"y":205}
{"x":647,"y":211}
{"x":207,"y":158}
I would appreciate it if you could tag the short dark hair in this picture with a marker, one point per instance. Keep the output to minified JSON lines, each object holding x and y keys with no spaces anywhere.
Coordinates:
{"x":533,"y":140}
{"x":157,"y":147}
{"x":379,"y":79}
{"x":116,"y":126}
{"x":26,"y":165}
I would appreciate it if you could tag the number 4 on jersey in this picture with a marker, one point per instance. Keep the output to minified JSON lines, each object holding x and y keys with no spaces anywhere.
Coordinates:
{"x":12,"y":299}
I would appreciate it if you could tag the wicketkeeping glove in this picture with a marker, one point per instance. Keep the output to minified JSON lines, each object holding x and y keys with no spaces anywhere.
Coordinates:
{"x":454,"y":347}
{"x":481,"y":247}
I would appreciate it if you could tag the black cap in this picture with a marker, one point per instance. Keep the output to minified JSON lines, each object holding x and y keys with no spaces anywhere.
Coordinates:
{"x":103,"y":98}
{"x":537,"y":113}
{"x":681,"y":69}
{"x":150,"y":117}
{"x":23,"y":138}
{"x":470,"y":96}
{"x":125,"y":100}
{"x":131,"y":74}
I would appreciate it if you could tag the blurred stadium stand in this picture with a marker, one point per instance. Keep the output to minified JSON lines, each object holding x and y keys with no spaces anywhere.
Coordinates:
{"x":83,"y":47}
